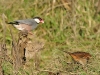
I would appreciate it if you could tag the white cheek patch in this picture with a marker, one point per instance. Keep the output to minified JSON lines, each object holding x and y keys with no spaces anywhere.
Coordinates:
{"x":37,"y":20}
{"x":19,"y":27}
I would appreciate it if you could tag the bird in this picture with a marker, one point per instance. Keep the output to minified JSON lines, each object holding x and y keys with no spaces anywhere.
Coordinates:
{"x":80,"y":57}
{"x":27,"y":24}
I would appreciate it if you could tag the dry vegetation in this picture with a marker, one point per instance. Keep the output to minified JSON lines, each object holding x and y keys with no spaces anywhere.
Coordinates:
{"x":71,"y":25}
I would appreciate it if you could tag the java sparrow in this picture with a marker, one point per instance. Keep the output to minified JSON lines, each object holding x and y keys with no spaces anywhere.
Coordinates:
{"x":27,"y":24}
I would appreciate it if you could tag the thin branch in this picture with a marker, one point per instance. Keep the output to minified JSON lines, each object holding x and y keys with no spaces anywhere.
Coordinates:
{"x":52,"y":8}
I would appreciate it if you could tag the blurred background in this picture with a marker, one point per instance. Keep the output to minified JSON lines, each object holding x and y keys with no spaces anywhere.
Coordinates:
{"x":71,"y":25}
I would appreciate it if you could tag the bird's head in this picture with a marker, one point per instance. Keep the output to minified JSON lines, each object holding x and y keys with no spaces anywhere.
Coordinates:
{"x":38,"y":20}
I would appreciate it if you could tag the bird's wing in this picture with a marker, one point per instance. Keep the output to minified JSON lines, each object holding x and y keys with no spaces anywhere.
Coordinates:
{"x":26,"y":21}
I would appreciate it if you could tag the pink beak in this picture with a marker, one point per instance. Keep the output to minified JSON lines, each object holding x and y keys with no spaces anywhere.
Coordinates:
{"x":42,"y":21}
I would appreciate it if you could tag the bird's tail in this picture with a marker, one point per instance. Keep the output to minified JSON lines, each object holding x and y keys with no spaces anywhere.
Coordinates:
{"x":12,"y":22}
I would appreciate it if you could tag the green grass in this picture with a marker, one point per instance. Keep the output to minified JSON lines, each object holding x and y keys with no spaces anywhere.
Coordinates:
{"x":71,"y":30}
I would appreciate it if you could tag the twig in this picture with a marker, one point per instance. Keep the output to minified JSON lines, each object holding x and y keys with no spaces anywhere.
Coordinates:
{"x":52,"y":8}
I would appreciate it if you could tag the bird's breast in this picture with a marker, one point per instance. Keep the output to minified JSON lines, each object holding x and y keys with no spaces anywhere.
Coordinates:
{"x":19,"y":27}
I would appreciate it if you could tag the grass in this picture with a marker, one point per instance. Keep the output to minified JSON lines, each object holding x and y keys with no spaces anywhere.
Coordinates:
{"x":72,"y":29}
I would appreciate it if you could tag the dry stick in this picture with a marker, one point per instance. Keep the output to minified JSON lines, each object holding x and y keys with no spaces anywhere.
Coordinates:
{"x":22,"y":43}
{"x":16,"y":57}
{"x":53,"y":3}
{"x":73,"y":16}
{"x":52,"y":8}
{"x":18,"y":52}
{"x":97,"y":9}
{"x":67,"y":7}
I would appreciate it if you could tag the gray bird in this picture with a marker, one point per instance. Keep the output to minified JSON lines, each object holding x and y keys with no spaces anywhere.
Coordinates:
{"x":27,"y":24}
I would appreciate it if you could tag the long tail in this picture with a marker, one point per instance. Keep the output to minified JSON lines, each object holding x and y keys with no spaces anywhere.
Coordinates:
{"x":13,"y":23}
{"x":10,"y":23}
